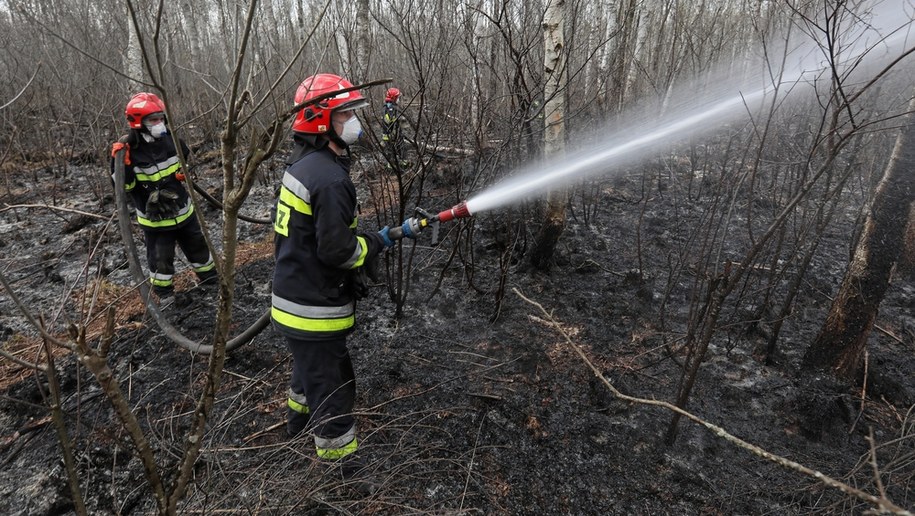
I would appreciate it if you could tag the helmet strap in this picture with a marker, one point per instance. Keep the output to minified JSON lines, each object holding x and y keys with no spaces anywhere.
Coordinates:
{"x":332,"y":135}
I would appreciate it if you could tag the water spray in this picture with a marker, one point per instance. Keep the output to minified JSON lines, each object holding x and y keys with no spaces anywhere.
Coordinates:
{"x":423,"y":219}
{"x":723,"y":99}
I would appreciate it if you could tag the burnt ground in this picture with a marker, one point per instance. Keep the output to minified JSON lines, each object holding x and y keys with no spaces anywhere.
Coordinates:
{"x":470,"y":402}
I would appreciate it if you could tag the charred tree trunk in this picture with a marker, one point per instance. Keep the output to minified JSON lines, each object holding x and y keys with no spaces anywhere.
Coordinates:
{"x":554,"y":130}
{"x":843,"y":338}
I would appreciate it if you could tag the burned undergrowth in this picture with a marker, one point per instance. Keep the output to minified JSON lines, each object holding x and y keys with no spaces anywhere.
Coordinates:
{"x":471,"y":401}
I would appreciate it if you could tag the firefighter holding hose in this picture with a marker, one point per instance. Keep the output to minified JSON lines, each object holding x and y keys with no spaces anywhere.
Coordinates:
{"x":153,"y":178}
{"x":319,"y":256}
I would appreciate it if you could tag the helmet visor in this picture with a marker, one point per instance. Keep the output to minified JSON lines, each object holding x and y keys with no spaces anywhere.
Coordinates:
{"x":351,"y":106}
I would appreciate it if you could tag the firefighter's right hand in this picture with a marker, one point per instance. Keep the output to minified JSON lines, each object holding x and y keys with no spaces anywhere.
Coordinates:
{"x":168,"y":202}
{"x":152,"y":210}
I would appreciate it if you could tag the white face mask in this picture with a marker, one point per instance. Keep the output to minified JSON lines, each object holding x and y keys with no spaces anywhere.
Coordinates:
{"x":352,"y":130}
{"x":158,"y":130}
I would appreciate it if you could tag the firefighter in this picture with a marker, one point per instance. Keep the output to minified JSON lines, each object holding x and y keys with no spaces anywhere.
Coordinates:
{"x":319,"y":258}
{"x":164,"y":211}
{"x":391,"y":135}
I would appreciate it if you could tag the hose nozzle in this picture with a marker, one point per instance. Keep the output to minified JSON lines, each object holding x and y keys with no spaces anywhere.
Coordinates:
{"x":458,"y":211}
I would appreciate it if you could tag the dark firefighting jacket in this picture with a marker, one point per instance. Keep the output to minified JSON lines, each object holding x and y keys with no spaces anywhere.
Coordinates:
{"x":317,"y":247}
{"x":390,"y":129}
{"x":153,"y":166}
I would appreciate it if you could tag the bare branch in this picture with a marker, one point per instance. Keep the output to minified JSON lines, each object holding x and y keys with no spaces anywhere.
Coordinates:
{"x":32,"y":78}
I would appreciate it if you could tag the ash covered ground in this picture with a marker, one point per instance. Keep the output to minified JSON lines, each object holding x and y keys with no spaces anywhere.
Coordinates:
{"x":472,"y":401}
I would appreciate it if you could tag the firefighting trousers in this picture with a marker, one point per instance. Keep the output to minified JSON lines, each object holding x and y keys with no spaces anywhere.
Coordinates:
{"x":322,"y":371}
{"x":160,"y":254}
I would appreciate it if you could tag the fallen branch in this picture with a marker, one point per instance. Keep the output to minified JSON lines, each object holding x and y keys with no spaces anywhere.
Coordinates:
{"x":7,"y":207}
{"x":881,"y":503}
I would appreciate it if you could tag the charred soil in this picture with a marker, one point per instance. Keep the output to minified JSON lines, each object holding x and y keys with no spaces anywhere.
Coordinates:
{"x":472,"y":400}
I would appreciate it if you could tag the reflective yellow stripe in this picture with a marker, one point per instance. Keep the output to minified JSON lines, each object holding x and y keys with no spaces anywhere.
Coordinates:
{"x":131,"y":186}
{"x":338,"y":453}
{"x":294,"y":201}
{"x":158,"y":176}
{"x":208,"y":267}
{"x":306,"y":324}
{"x":363,"y":248}
{"x":167,"y":222}
{"x":160,"y":283}
{"x":281,"y":223}
{"x":298,"y":407}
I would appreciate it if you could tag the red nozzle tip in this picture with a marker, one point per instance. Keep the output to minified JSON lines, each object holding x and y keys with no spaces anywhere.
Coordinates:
{"x":457,"y":212}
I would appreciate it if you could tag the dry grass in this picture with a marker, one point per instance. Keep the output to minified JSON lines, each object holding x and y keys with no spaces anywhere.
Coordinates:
{"x":128,"y":314}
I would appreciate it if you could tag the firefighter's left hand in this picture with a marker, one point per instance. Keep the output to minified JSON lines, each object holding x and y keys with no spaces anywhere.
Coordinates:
{"x":386,"y":237}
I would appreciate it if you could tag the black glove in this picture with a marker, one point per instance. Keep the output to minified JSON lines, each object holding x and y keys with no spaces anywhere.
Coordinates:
{"x":168,"y":202}
{"x":152,"y":210}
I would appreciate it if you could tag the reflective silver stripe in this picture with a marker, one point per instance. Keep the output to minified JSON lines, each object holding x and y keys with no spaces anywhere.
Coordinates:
{"x":158,"y":276}
{"x":357,"y":254}
{"x":298,"y":398}
{"x":187,"y":206}
{"x":313,"y":312}
{"x":294,"y":186}
{"x":200,"y":265}
{"x":336,"y":442}
{"x":158,"y":167}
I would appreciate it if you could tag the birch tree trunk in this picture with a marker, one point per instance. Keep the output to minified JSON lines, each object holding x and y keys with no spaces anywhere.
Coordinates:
{"x":363,"y":37}
{"x":841,"y":343}
{"x":134,"y":58}
{"x":189,"y":18}
{"x":554,"y":65}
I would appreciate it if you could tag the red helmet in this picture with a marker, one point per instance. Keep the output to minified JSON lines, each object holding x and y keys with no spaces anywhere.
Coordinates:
{"x":392,"y":95}
{"x":140,"y":106}
{"x":315,"y":118}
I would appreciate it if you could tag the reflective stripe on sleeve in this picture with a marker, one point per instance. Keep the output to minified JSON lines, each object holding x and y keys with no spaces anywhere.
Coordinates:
{"x":294,"y":194}
{"x":358,"y":257}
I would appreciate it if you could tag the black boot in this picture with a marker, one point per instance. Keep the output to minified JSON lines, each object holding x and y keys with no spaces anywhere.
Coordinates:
{"x":357,"y":473}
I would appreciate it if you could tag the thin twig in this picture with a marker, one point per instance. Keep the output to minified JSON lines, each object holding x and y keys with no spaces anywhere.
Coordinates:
{"x":873,"y":462}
